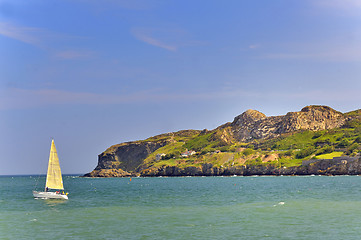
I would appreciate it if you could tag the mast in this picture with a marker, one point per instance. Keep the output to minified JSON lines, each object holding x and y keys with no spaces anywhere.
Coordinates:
{"x":54,"y":179}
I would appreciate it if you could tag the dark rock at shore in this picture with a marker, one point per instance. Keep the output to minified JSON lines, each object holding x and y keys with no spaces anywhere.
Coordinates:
{"x":336,"y":166}
{"x":108,"y":173}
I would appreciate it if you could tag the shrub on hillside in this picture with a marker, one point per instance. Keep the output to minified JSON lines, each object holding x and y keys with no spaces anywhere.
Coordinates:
{"x":171,"y":155}
{"x":344,"y":143}
{"x":305,"y":152}
{"x":251,"y":146}
{"x":358,"y":139}
{"x":352,"y":149}
{"x":288,"y":153}
{"x":248,"y":151}
{"x":225,"y":149}
{"x":353,"y":123}
{"x":322,"y":142}
{"x":325,"y":149}
{"x":317,"y":135}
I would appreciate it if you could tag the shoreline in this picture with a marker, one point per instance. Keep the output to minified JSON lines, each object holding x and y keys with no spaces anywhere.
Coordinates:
{"x":331,"y":167}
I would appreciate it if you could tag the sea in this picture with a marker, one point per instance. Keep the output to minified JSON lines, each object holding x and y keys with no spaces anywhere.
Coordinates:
{"x":257,"y":207}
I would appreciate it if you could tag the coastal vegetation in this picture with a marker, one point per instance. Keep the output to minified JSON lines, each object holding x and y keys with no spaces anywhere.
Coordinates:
{"x":252,"y":140}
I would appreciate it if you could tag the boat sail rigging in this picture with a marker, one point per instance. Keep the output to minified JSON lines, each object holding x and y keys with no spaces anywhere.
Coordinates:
{"x":54,"y":179}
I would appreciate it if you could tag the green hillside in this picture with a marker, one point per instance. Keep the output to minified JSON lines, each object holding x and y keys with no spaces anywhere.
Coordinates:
{"x":222,"y":150}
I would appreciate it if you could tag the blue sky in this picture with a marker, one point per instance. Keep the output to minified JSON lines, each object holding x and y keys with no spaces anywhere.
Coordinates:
{"x":92,"y":74}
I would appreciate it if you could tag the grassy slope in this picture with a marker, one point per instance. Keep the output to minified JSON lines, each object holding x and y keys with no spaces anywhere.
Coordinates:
{"x":329,"y":155}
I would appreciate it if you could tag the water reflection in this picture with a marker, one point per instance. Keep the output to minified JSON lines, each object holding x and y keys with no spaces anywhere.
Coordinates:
{"x":54,"y":202}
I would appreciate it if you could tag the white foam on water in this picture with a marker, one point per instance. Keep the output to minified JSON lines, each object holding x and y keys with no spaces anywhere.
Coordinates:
{"x":279,"y":204}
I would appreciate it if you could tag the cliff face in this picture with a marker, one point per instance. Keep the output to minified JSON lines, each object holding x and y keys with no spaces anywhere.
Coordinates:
{"x":123,"y":159}
{"x":255,"y":125}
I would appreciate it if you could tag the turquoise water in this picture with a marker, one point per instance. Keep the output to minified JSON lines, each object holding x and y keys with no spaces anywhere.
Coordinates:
{"x":314,"y":207}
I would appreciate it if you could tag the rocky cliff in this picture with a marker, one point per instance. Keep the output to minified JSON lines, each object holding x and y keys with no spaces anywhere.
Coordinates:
{"x":128,"y":159}
{"x":120,"y":160}
{"x":255,"y":125}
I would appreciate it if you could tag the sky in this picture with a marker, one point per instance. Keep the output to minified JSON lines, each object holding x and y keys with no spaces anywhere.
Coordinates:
{"x":91,"y":74}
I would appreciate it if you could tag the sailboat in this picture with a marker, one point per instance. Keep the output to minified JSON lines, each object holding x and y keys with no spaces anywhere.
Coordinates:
{"x":54,"y":179}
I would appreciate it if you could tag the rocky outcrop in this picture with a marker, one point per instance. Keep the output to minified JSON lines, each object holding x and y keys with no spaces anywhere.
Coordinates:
{"x":108,"y":173}
{"x":252,"y":124}
{"x":123,"y":159}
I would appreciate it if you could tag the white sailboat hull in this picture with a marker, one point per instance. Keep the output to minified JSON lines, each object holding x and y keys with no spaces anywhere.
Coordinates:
{"x":49,"y":195}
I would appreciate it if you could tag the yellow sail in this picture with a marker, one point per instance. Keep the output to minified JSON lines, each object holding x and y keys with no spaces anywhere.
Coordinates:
{"x":53,"y":177}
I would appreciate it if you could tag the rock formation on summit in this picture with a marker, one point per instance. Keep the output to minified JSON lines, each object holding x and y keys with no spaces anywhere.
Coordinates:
{"x":252,"y":124}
